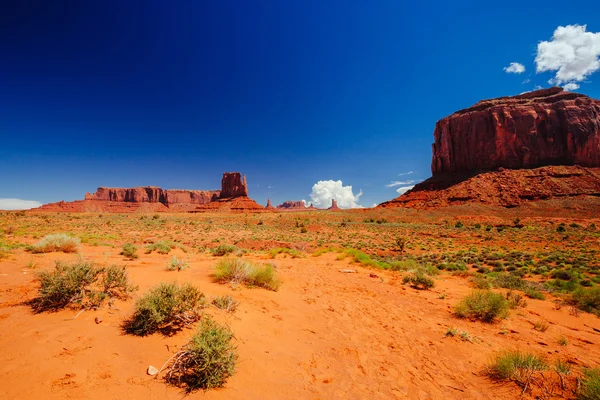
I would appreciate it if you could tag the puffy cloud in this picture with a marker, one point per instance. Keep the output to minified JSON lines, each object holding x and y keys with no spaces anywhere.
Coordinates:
{"x":407,"y":182}
{"x":404,"y":189}
{"x":571,"y":86}
{"x":572,"y":52}
{"x":514,"y":68}
{"x":324,"y":191}
{"x":18,"y":204}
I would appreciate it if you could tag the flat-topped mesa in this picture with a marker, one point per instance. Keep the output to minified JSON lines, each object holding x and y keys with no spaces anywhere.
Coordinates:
{"x":544,"y":127}
{"x":233,"y":185}
{"x":153,"y":194}
{"x":292,"y":205}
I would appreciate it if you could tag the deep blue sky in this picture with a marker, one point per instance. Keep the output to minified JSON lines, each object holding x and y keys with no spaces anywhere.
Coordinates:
{"x":173,"y":94}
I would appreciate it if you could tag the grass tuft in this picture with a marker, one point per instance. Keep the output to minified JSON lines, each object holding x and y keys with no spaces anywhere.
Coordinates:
{"x":483,"y":305}
{"x":206,"y":361}
{"x":239,"y":271}
{"x":56,"y":242}
{"x":167,"y":307}
{"x":515,"y":366}
{"x":590,"y":385}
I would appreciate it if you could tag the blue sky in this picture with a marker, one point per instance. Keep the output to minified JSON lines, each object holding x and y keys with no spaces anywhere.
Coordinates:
{"x":173,"y":94}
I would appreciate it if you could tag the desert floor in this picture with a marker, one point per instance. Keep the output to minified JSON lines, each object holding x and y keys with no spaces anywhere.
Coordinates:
{"x":325,"y":334}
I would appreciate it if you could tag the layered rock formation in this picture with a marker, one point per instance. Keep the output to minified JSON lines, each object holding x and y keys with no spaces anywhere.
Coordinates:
{"x":233,"y":185}
{"x":232,"y":196}
{"x":544,"y":127}
{"x":292,"y":205}
{"x":505,"y":151}
{"x":334,"y":205}
{"x":269,"y":205}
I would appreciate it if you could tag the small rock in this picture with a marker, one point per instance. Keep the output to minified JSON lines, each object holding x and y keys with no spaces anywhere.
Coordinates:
{"x":98,"y":320}
{"x":152,"y":370}
{"x":347,"y":271}
{"x":372,"y":275}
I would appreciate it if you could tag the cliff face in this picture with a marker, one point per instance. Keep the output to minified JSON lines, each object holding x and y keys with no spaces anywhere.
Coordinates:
{"x":152,"y":194}
{"x":292,"y":205}
{"x":233,"y":196}
{"x":334,"y":205}
{"x":233,"y":185}
{"x":545,"y":127}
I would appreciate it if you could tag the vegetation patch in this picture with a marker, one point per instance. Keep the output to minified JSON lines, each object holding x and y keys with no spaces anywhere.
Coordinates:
{"x":81,"y":285}
{"x":590,"y":385}
{"x":226,"y":303}
{"x":516,"y":366}
{"x":206,"y":361}
{"x":483,"y":305}
{"x":177,"y":265}
{"x":587,"y":300}
{"x":223,"y":250}
{"x":238,"y":271}
{"x":284,"y":250}
{"x":167,"y":307}
{"x":56,"y":242}
{"x":161,"y":247}
{"x":129,"y":251}
{"x":418,"y":280}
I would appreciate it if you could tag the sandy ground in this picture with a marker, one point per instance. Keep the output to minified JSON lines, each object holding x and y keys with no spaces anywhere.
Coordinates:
{"x":323,"y":335}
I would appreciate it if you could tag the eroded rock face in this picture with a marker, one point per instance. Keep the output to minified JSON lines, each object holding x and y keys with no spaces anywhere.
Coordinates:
{"x":269,"y":205}
{"x":153,"y":194}
{"x":292,"y":205}
{"x":233,"y":185}
{"x":334,"y":205}
{"x":545,"y":127}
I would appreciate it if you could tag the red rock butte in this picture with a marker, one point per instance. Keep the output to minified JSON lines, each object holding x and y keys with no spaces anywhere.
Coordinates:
{"x":509,"y":150}
{"x":232,"y":196}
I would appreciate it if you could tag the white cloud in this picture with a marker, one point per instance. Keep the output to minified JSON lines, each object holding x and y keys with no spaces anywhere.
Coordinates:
{"x":406,"y":173}
{"x":571,"y":86}
{"x":18,"y":204}
{"x":514,"y":68}
{"x":324,"y":191}
{"x":572,"y":52}
{"x":404,"y":189}
{"x":526,"y":81}
{"x":398,"y":183}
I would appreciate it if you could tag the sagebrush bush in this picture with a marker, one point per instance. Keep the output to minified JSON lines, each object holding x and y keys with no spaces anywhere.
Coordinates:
{"x":587,"y":300}
{"x":239,"y":271}
{"x":226,"y":303}
{"x":223,"y":250}
{"x":161,"y":247}
{"x":419,"y":281}
{"x":516,"y":366}
{"x":82,"y":285}
{"x":207,"y":360}
{"x":284,"y":250}
{"x":483,"y":305}
{"x":167,"y":307}
{"x":56,"y":242}
{"x":177,"y":265}
{"x":590,"y":385}
{"x":129,"y":251}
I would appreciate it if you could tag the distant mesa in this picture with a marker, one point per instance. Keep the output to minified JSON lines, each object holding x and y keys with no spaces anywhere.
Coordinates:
{"x":292,"y":205}
{"x":334,"y":205}
{"x":232,"y":196}
{"x":508,"y":150}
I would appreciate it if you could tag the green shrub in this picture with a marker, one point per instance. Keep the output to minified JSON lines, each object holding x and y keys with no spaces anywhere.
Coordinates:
{"x":590,"y":385}
{"x":223,"y":250}
{"x":207,"y":360}
{"x":284,"y":250}
{"x":226,"y":303}
{"x":129,"y":251}
{"x":480,"y":282}
{"x":515,"y":366}
{"x":177,"y":265}
{"x":57,"y":242}
{"x":167,"y":307}
{"x":587,"y":300}
{"x":80,"y":285}
{"x":239,"y":271}
{"x":161,"y":247}
{"x":418,"y":281}
{"x":483,"y":305}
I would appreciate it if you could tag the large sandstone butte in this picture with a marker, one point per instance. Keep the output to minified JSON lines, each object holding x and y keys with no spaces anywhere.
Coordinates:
{"x":544,"y":127}
{"x":292,"y":205}
{"x":505,"y":151}
{"x":232,"y":196}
